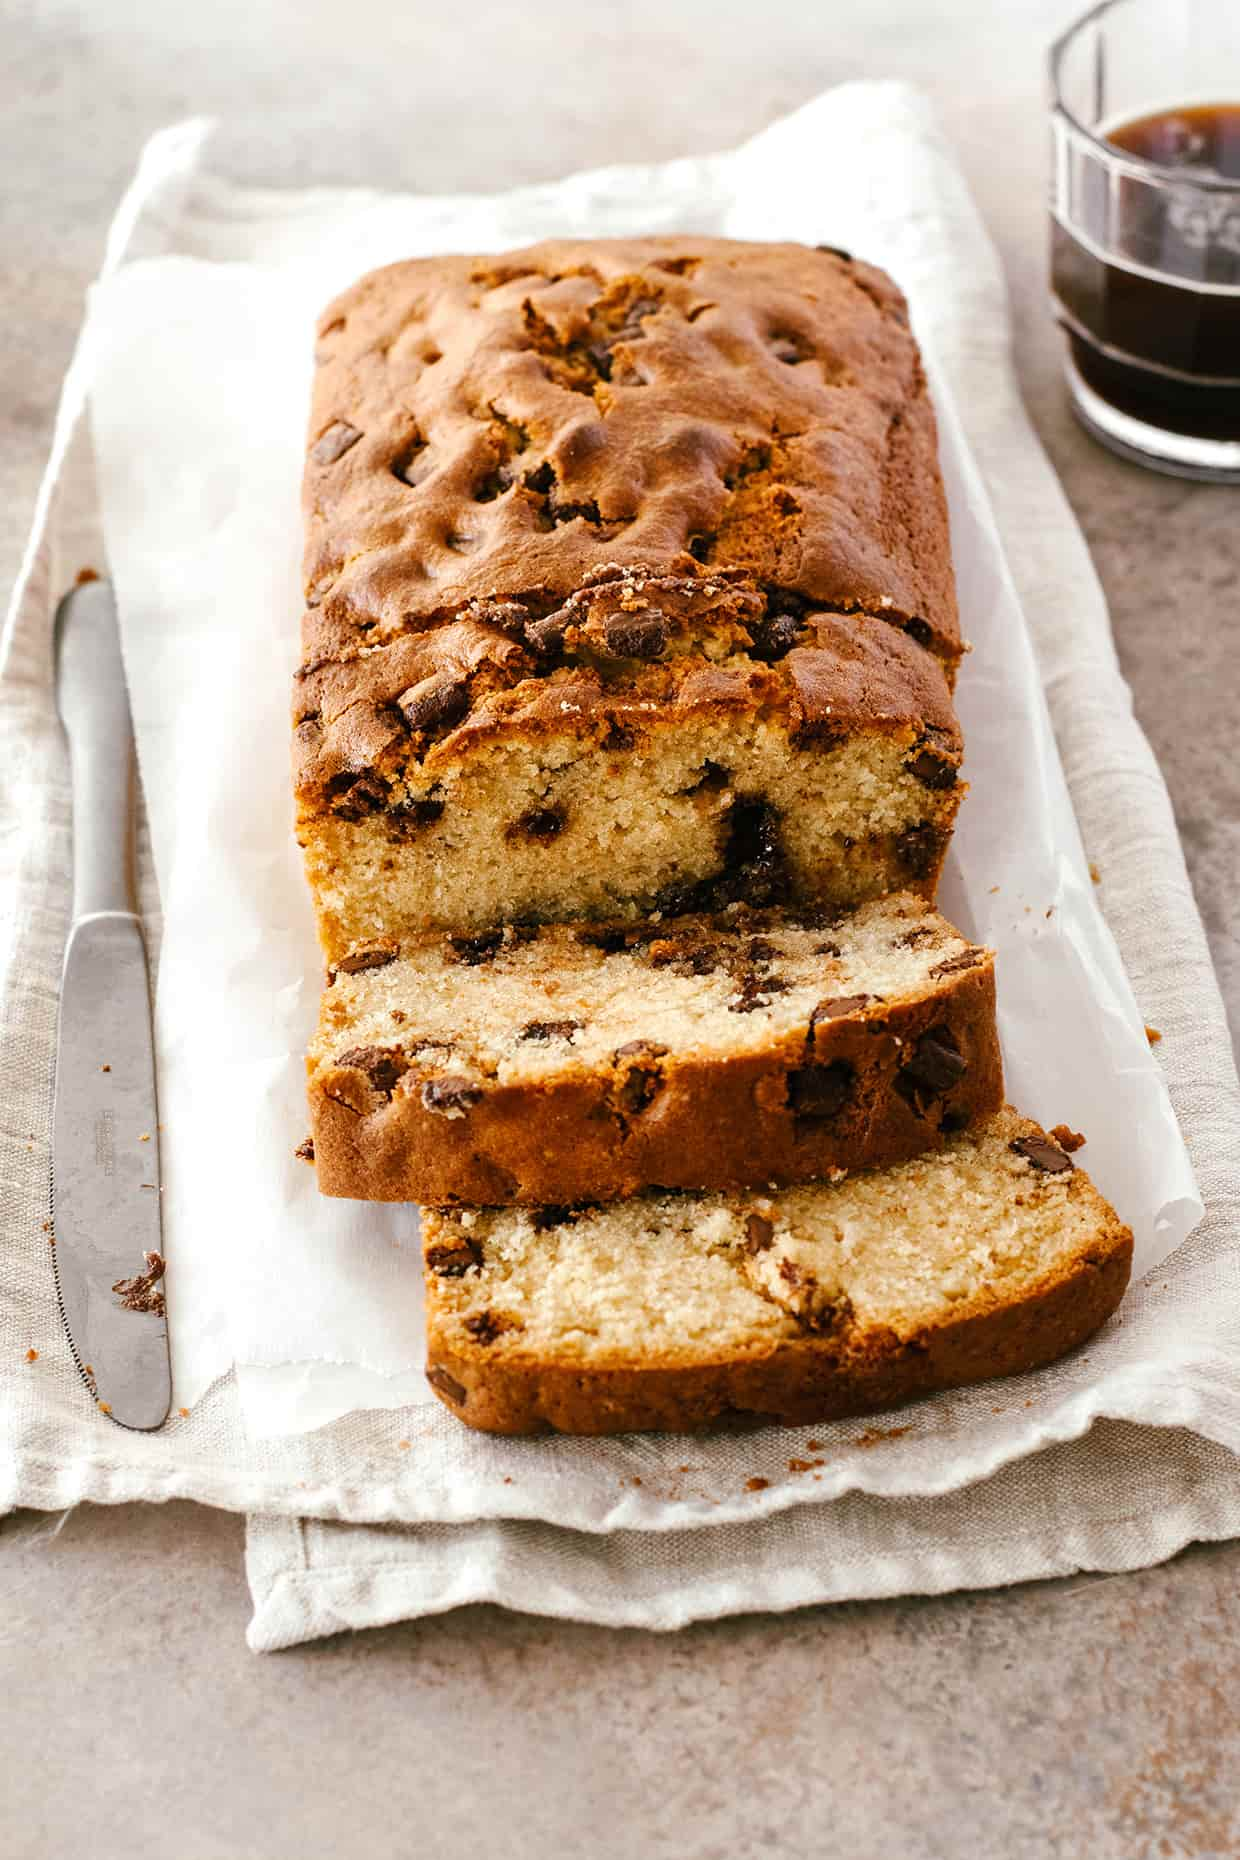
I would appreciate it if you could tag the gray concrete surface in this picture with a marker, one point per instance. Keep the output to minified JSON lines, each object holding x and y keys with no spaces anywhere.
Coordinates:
{"x":1097,"y":1718}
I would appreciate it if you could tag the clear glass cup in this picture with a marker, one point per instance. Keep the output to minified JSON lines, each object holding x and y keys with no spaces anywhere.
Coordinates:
{"x":1145,"y":238}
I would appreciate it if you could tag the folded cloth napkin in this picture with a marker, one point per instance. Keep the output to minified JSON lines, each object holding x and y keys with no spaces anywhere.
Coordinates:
{"x":385,"y":1514}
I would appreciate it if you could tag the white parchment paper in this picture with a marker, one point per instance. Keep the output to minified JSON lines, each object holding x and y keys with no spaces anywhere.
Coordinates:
{"x":199,"y":370}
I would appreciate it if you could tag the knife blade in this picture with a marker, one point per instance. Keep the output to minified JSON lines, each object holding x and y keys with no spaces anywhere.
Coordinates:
{"x":106,"y":1222}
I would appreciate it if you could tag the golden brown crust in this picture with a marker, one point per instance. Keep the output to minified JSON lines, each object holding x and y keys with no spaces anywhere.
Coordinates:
{"x":809,"y":1379}
{"x":693,"y":1124}
{"x":500,"y":428}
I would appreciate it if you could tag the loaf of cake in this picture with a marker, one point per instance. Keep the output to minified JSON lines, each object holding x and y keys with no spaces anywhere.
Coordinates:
{"x":628,"y":589}
{"x":992,"y":1256}
{"x":588,"y":1062}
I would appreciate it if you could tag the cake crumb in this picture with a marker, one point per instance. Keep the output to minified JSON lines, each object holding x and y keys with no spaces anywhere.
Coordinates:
{"x":184,"y":1413}
{"x":32,"y":1356}
{"x":305,"y":1150}
{"x":142,"y":1292}
{"x":1067,"y":1138}
{"x":402,"y":1446}
{"x":105,"y":1068}
{"x":800,"y":1466}
{"x":1094,"y":873}
{"x":1152,"y":1034}
{"x":636,"y":1480}
{"x":813,"y":1446}
{"x":105,"y":1407}
{"x":756,"y":1485}
{"x":145,"y":1137}
{"x":84,"y":575}
{"x":873,"y":1435}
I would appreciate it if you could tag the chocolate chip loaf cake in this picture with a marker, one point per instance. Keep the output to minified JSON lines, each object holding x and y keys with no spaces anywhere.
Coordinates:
{"x":586,"y":1063}
{"x":628,"y":588}
{"x":993,"y":1256}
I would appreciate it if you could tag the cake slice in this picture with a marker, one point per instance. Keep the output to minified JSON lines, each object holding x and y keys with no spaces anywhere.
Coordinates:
{"x":628,"y":588}
{"x":585,"y":1063}
{"x":992,"y":1256}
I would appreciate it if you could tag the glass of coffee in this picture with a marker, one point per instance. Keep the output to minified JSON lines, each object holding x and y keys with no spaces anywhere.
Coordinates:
{"x":1145,"y":229}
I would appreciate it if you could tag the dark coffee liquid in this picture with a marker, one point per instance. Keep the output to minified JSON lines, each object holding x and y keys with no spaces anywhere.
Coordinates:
{"x":1167,"y":353}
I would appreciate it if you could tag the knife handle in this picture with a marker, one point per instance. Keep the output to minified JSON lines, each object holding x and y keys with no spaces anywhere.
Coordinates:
{"x":94,"y":709}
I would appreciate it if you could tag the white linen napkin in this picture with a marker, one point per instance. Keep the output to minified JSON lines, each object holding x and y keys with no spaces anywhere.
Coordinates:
{"x":293,"y":1314}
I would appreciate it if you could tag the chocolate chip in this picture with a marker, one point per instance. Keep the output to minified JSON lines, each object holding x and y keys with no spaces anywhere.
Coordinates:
{"x":700,"y":547}
{"x":820,"y":1091}
{"x":507,"y":617}
{"x":334,"y":442}
{"x":837,"y":1007}
{"x":1043,"y":1154}
{"x":931,"y":770}
{"x":919,"y":630}
{"x":382,"y":1065}
{"x":935,"y":1066}
{"x":451,"y":1096}
{"x":472,"y":950}
{"x":635,"y":636}
{"x":937,"y":1063}
{"x":835,"y":251}
{"x":640,"y":1049}
{"x":436,"y":702}
{"x":444,"y":1384}
{"x":546,"y":636}
{"x":684,"y":956}
{"x":543,"y":824}
{"x":759,"y":950}
{"x":789,"y":348}
{"x":921,"y":933}
{"x":920,"y":848}
{"x":483,"y":1326}
{"x":953,"y":1121}
{"x":453,"y":1258}
{"x":305,"y":1150}
{"x":544,"y":1218}
{"x":354,"y":796}
{"x":774,"y":637}
{"x":410,"y":815}
{"x":954,"y":965}
{"x":759,"y":1234}
{"x":366,"y":956}
{"x":544,"y":1030}
{"x":756,"y":992}
{"x":754,"y":855}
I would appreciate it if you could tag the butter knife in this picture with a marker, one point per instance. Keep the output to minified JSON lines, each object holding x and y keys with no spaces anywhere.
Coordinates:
{"x":108,"y":1248}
